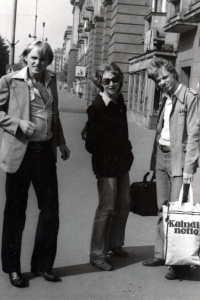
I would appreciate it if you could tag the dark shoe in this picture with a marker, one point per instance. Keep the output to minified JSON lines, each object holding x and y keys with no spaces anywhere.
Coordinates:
{"x":119,"y":251}
{"x":155,"y":262}
{"x":50,"y":276}
{"x":171,"y":275}
{"x":101,"y":264}
{"x":16,"y":279}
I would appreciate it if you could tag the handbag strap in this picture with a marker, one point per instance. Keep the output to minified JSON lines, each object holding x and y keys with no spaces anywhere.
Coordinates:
{"x":145,"y":177}
{"x":190,"y":195}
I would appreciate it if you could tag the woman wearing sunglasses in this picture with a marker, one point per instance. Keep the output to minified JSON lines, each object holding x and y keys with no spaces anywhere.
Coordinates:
{"x":107,"y":140}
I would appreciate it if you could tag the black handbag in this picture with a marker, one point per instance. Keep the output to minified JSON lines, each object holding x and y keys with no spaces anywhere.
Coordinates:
{"x":84,"y":133}
{"x":143,"y":197}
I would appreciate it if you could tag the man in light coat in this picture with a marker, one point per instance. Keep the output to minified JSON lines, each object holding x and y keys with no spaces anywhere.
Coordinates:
{"x":176,"y":147}
{"x":32,"y":131}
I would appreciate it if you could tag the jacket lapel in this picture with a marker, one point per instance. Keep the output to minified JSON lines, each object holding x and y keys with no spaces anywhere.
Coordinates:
{"x":21,"y":92}
{"x":55,"y":100}
{"x":161,"y":112}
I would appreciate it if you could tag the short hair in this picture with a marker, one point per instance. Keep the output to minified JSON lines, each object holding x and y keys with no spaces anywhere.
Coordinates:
{"x":45,"y":50}
{"x":107,"y":67}
{"x":156,"y":65}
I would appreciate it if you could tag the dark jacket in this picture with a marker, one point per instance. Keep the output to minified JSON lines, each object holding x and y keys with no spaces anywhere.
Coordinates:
{"x":107,"y":137}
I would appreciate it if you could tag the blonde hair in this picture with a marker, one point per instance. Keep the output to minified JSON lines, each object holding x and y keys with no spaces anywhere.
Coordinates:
{"x":44,"y":48}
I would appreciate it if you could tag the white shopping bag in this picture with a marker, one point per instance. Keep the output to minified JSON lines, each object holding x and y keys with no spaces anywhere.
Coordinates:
{"x":181,"y":223}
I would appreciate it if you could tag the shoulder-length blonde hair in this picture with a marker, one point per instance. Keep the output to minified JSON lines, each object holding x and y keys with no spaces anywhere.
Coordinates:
{"x":44,"y":50}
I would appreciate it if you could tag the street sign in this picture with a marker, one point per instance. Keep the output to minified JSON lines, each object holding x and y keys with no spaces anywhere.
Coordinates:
{"x":80,"y":71}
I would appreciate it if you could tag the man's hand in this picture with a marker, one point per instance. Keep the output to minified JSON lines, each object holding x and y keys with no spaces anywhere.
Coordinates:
{"x":187,"y":178}
{"x":65,"y":152}
{"x":27,"y":127}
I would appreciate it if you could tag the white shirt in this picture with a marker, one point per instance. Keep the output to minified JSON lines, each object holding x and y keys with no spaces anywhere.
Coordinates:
{"x":105,"y":98}
{"x":165,"y":133}
{"x":41,"y":112}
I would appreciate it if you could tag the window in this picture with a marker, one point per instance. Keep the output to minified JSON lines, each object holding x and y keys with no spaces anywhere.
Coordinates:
{"x":137,"y":90}
{"x":185,"y":75}
{"x":157,"y":99}
{"x":142,"y":91}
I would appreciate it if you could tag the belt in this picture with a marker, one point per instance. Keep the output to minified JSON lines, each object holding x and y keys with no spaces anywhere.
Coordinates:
{"x":39,"y":145}
{"x":163,"y":148}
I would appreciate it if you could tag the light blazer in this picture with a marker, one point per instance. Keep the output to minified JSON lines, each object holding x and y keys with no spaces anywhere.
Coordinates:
{"x":184,"y":126}
{"x":15,"y":106}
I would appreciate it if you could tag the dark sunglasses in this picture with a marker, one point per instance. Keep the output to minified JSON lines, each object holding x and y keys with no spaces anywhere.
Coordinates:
{"x":106,"y":81}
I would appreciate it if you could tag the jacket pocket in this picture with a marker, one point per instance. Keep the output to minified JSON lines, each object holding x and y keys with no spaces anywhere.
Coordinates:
{"x":182,"y":118}
{"x":6,"y":150}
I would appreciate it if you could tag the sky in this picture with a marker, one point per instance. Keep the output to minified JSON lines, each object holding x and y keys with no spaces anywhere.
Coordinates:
{"x":57,"y":15}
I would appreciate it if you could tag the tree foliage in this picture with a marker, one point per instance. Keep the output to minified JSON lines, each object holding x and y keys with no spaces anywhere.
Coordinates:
{"x":4,"y":56}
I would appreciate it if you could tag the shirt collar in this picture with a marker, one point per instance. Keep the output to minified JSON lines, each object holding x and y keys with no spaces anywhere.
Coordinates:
{"x":23,"y":74}
{"x":105,"y":98}
{"x":175,"y":93}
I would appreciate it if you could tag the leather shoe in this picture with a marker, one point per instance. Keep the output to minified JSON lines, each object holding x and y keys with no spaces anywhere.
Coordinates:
{"x":119,"y":251}
{"x":171,"y":275}
{"x":101,"y":264}
{"x":155,"y":262}
{"x":16,"y":279}
{"x":50,"y":276}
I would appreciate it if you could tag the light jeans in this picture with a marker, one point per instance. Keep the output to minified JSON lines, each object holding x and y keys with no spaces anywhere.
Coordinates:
{"x":168,"y":189}
{"x":111,"y":215}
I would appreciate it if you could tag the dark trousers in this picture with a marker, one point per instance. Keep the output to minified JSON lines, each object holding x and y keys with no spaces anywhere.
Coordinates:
{"x":38,"y":167}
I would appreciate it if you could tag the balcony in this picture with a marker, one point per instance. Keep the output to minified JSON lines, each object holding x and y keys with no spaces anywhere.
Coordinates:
{"x":86,"y":15}
{"x":153,"y":39}
{"x":89,"y":25}
{"x":89,"y":5}
{"x":84,"y":35}
{"x":81,"y":41}
{"x":193,"y":15}
{"x":178,"y":24}
{"x":81,"y":25}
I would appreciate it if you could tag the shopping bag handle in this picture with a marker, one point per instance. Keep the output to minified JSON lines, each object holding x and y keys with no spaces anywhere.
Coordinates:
{"x":190,"y":195}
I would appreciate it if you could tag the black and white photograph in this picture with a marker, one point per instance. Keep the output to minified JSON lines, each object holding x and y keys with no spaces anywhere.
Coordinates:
{"x":99,"y":149}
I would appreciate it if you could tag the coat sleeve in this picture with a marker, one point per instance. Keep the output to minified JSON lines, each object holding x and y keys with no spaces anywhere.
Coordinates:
{"x":7,"y":122}
{"x":60,"y":135}
{"x":193,"y":131}
{"x":57,"y":126}
{"x":95,"y":129}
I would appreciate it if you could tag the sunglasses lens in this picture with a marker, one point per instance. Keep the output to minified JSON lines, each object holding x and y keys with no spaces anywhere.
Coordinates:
{"x":115,"y":80}
{"x":106,"y":81}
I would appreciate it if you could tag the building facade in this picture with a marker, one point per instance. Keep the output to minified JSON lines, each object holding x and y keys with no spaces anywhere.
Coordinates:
{"x":171,"y":31}
{"x":58,"y":60}
{"x":105,"y":30}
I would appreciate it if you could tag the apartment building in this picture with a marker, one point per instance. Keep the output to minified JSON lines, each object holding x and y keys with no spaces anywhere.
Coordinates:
{"x":105,"y":30}
{"x":171,"y":31}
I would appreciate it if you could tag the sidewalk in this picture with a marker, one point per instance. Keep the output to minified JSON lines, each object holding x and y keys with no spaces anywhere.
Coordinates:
{"x":78,"y":201}
{"x":69,"y":103}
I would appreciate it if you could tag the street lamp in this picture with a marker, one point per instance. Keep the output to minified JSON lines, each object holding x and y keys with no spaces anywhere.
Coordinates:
{"x":43,"y":24}
{"x":34,"y":36}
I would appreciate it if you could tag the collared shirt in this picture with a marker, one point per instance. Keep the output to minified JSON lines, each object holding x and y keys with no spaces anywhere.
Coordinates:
{"x":165,"y":133}
{"x":41,"y":111}
{"x":106,"y":99}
